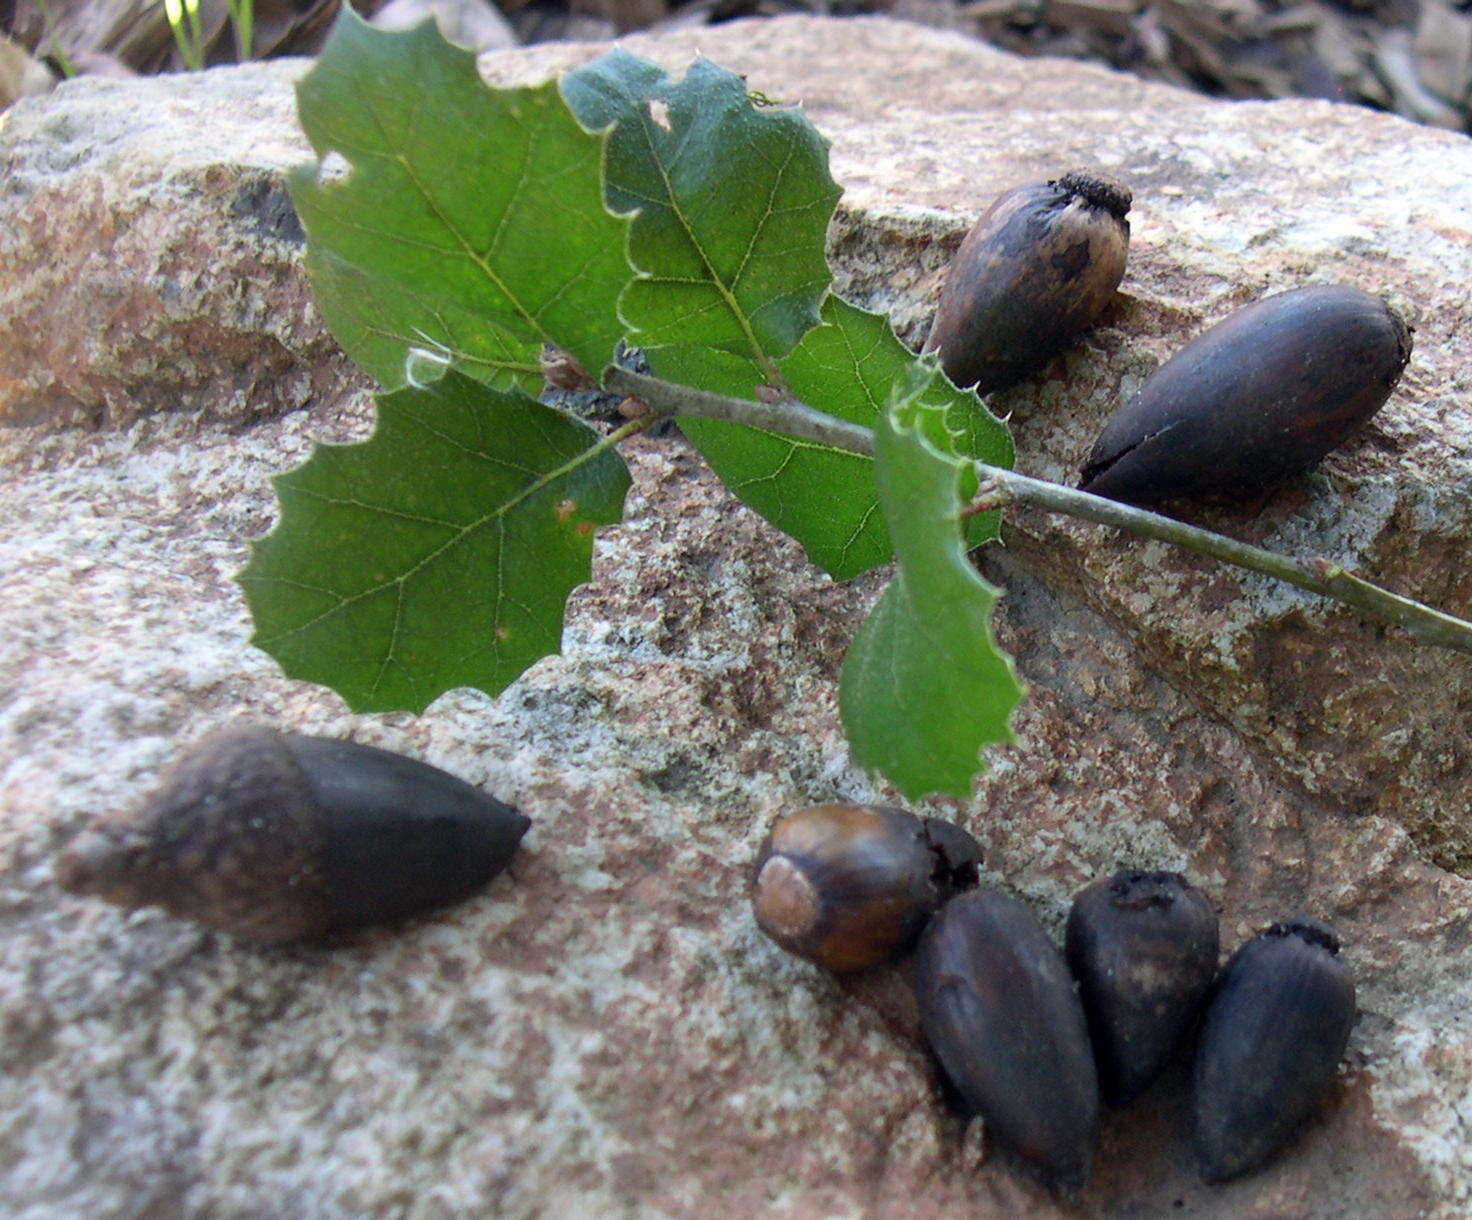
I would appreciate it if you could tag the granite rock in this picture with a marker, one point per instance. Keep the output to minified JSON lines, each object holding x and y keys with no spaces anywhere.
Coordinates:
{"x":604,"y":1031}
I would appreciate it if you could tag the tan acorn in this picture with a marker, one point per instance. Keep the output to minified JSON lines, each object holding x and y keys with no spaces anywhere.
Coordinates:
{"x":1036,"y":271}
{"x":850,"y":886}
{"x":281,"y":837}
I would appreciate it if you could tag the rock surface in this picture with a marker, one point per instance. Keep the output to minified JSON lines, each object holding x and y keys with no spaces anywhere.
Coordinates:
{"x":604,"y":1032}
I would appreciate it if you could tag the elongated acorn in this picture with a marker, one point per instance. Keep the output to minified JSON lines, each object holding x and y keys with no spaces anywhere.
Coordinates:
{"x":1036,"y":271}
{"x":850,"y":886}
{"x":280,"y":837}
{"x":997,"y":1006}
{"x":1262,"y":395}
{"x":1143,"y":947}
{"x":1270,"y":1045}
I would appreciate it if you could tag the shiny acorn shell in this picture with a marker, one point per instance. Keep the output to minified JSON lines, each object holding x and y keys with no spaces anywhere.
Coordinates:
{"x":1037,"y":270}
{"x":998,"y":1009}
{"x":1143,"y":947}
{"x":850,"y":886}
{"x":1262,"y":395}
{"x":281,"y":837}
{"x":1270,"y":1046}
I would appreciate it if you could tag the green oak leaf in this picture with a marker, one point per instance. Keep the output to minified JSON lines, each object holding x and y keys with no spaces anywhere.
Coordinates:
{"x":824,"y":497}
{"x":466,"y":222}
{"x":733,"y":200}
{"x":924,"y":685}
{"x":437,"y":553}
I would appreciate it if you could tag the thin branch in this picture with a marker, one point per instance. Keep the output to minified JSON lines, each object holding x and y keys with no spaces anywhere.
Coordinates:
{"x":786,"y":416}
{"x":1315,"y":575}
{"x":999,"y":487}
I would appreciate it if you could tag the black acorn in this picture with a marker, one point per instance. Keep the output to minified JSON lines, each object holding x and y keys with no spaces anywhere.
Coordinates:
{"x":1143,"y":947}
{"x":1270,"y":1046}
{"x":1262,"y":395}
{"x":281,"y":837}
{"x":850,"y":886}
{"x":1036,"y":271}
{"x":997,"y":1006}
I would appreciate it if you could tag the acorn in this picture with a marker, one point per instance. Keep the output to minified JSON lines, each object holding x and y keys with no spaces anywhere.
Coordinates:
{"x":1143,"y":947}
{"x":998,"y":1009}
{"x":850,"y":886}
{"x":1036,"y":271}
{"x":1270,"y":1045}
{"x":1262,"y":395}
{"x":280,"y":837}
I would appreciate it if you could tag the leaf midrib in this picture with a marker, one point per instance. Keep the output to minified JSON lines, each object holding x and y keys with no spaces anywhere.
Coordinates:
{"x":466,"y":248}
{"x":458,"y":537}
{"x":763,"y":359}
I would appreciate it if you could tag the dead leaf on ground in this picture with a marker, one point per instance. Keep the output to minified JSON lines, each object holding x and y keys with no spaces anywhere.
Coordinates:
{"x":472,"y":24}
{"x":21,"y":75}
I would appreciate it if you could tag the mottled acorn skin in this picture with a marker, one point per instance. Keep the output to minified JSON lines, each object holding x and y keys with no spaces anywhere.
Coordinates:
{"x":998,"y":1009}
{"x":1143,"y":947}
{"x":1262,"y":395}
{"x":280,"y":837}
{"x":1270,"y":1046}
{"x":850,"y":886}
{"x":1037,"y":270}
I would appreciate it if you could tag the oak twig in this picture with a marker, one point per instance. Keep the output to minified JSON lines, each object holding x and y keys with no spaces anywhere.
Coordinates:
{"x":787,"y":416}
{"x":999,"y":487}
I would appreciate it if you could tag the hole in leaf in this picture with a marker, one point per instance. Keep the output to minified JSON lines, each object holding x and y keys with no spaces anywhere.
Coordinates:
{"x":332,"y":169}
{"x":422,"y":366}
{"x":659,"y":113}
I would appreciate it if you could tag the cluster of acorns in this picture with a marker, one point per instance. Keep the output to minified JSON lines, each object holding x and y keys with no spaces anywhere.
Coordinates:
{"x":1030,"y":1041}
{"x":1260,"y":396}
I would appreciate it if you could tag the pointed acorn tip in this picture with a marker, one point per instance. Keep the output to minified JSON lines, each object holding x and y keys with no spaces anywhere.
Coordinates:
{"x":1214,"y":1170}
{"x":1114,"y":197}
{"x":1310,"y":931}
{"x":1066,"y":1182}
{"x":90,"y":865}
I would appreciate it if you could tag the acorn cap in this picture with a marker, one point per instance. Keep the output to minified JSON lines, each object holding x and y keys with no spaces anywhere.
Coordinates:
{"x":278,"y":837}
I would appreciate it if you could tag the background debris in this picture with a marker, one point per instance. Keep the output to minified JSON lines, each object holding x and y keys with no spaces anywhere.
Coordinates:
{"x":1413,"y":57}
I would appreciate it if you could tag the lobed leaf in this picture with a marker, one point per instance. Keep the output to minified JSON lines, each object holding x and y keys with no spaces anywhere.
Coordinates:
{"x":824,"y":497}
{"x":437,"y":553}
{"x":733,"y":201}
{"x":467,"y":221}
{"x":924,"y":685}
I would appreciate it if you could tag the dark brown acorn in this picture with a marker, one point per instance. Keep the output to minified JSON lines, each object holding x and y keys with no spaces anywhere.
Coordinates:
{"x":1262,"y":395}
{"x":1143,"y":947}
{"x":1270,"y":1045}
{"x":997,"y":1006}
{"x":1036,"y":271}
{"x":281,"y":837}
{"x":850,"y":886}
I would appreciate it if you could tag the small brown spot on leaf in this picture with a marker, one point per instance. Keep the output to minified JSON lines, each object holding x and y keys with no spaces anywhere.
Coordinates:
{"x":584,"y":528}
